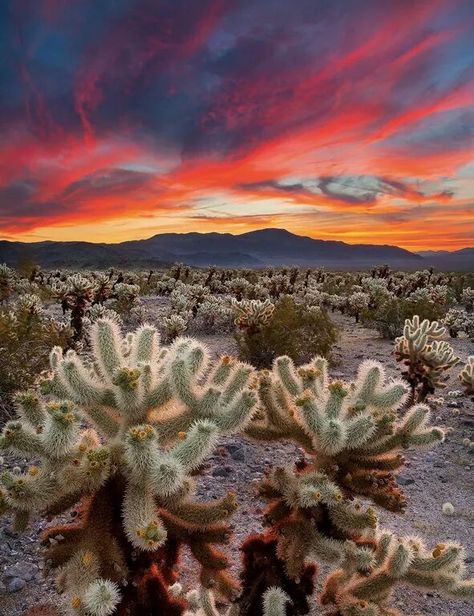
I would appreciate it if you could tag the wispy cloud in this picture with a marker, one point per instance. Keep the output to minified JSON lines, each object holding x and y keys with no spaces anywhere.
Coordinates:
{"x":342,"y":120}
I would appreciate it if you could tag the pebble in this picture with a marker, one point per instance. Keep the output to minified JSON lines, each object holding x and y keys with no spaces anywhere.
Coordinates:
{"x":15,"y":584}
{"x":24,"y":570}
{"x":236,"y":452}
{"x":221,"y":471}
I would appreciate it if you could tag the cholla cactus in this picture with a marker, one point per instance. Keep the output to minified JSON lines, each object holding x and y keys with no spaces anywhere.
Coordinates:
{"x":156,"y":415}
{"x":75,"y":294}
{"x":467,"y":298}
{"x":466,"y":376}
{"x":377,"y":289}
{"x":202,"y":602}
{"x":315,"y":297}
{"x":214,"y":314}
{"x":94,"y":314}
{"x":126,"y":302}
{"x":364,"y":583}
{"x":175,"y":325}
{"x":7,"y":276}
{"x":457,"y":321}
{"x":258,"y":291}
{"x":439,"y":294}
{"x":103,"y":287}
{"x":426,"y":356}
{"x":165,"y":285}
{"x":357,"y":303}
{"x":188,"y":297}
{"x":337,"y":302}
{"x":354,"y":440}
{"x":125,"y":296}
{"x":99,"y":311}
{"x":26,"y":337}
{"x":239,"y":287}
{"x":251,"y":315}
{"x":28,"y":304}
{"x":26,"y":287}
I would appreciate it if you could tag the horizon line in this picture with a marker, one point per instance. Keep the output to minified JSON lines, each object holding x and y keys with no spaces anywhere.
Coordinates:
{"x":38,"y":241}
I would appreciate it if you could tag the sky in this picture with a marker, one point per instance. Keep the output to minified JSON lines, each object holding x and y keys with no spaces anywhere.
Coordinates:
{"x":350,"y":120}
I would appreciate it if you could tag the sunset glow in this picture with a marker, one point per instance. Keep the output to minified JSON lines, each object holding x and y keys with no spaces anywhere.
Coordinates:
{"x":338,"y":120}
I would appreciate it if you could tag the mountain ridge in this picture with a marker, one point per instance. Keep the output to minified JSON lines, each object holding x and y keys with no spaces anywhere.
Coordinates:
{"x":260,"y":248}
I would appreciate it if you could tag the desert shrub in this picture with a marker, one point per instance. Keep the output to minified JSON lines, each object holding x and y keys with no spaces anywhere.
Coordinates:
{"x":26,"y":337}
{"x":389,"y":317}
{"x":294,"y":330}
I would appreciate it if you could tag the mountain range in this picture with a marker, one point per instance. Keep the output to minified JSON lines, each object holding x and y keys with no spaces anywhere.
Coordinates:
{"x":266,"y":247}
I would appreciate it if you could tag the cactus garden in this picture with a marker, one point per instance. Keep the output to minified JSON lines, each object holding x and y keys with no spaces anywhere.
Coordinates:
{"x":219,"y":442}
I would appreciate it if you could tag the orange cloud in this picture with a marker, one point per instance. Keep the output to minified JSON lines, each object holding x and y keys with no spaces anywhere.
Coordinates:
{"x":187,"y":118}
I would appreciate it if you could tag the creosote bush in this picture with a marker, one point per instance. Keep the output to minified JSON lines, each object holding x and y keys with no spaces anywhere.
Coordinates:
{"x":26,"y":338}
{"x":389,"y":317}
{"x":291,"y":329}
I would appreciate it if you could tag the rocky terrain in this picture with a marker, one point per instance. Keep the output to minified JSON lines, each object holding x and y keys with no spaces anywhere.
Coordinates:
{"x":430,"y":479}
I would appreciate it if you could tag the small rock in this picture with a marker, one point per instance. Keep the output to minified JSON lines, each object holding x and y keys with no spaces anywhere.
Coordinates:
{"x":221,"y":471}
{"x":236,"y":451}
{"x":15,"y":584}
{"x":406,"y":481}
{"x":23,"y":570}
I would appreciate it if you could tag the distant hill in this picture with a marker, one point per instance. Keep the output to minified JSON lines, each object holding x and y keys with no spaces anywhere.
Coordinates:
{"x":267,"y":247}
{"x":458,"y":260}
